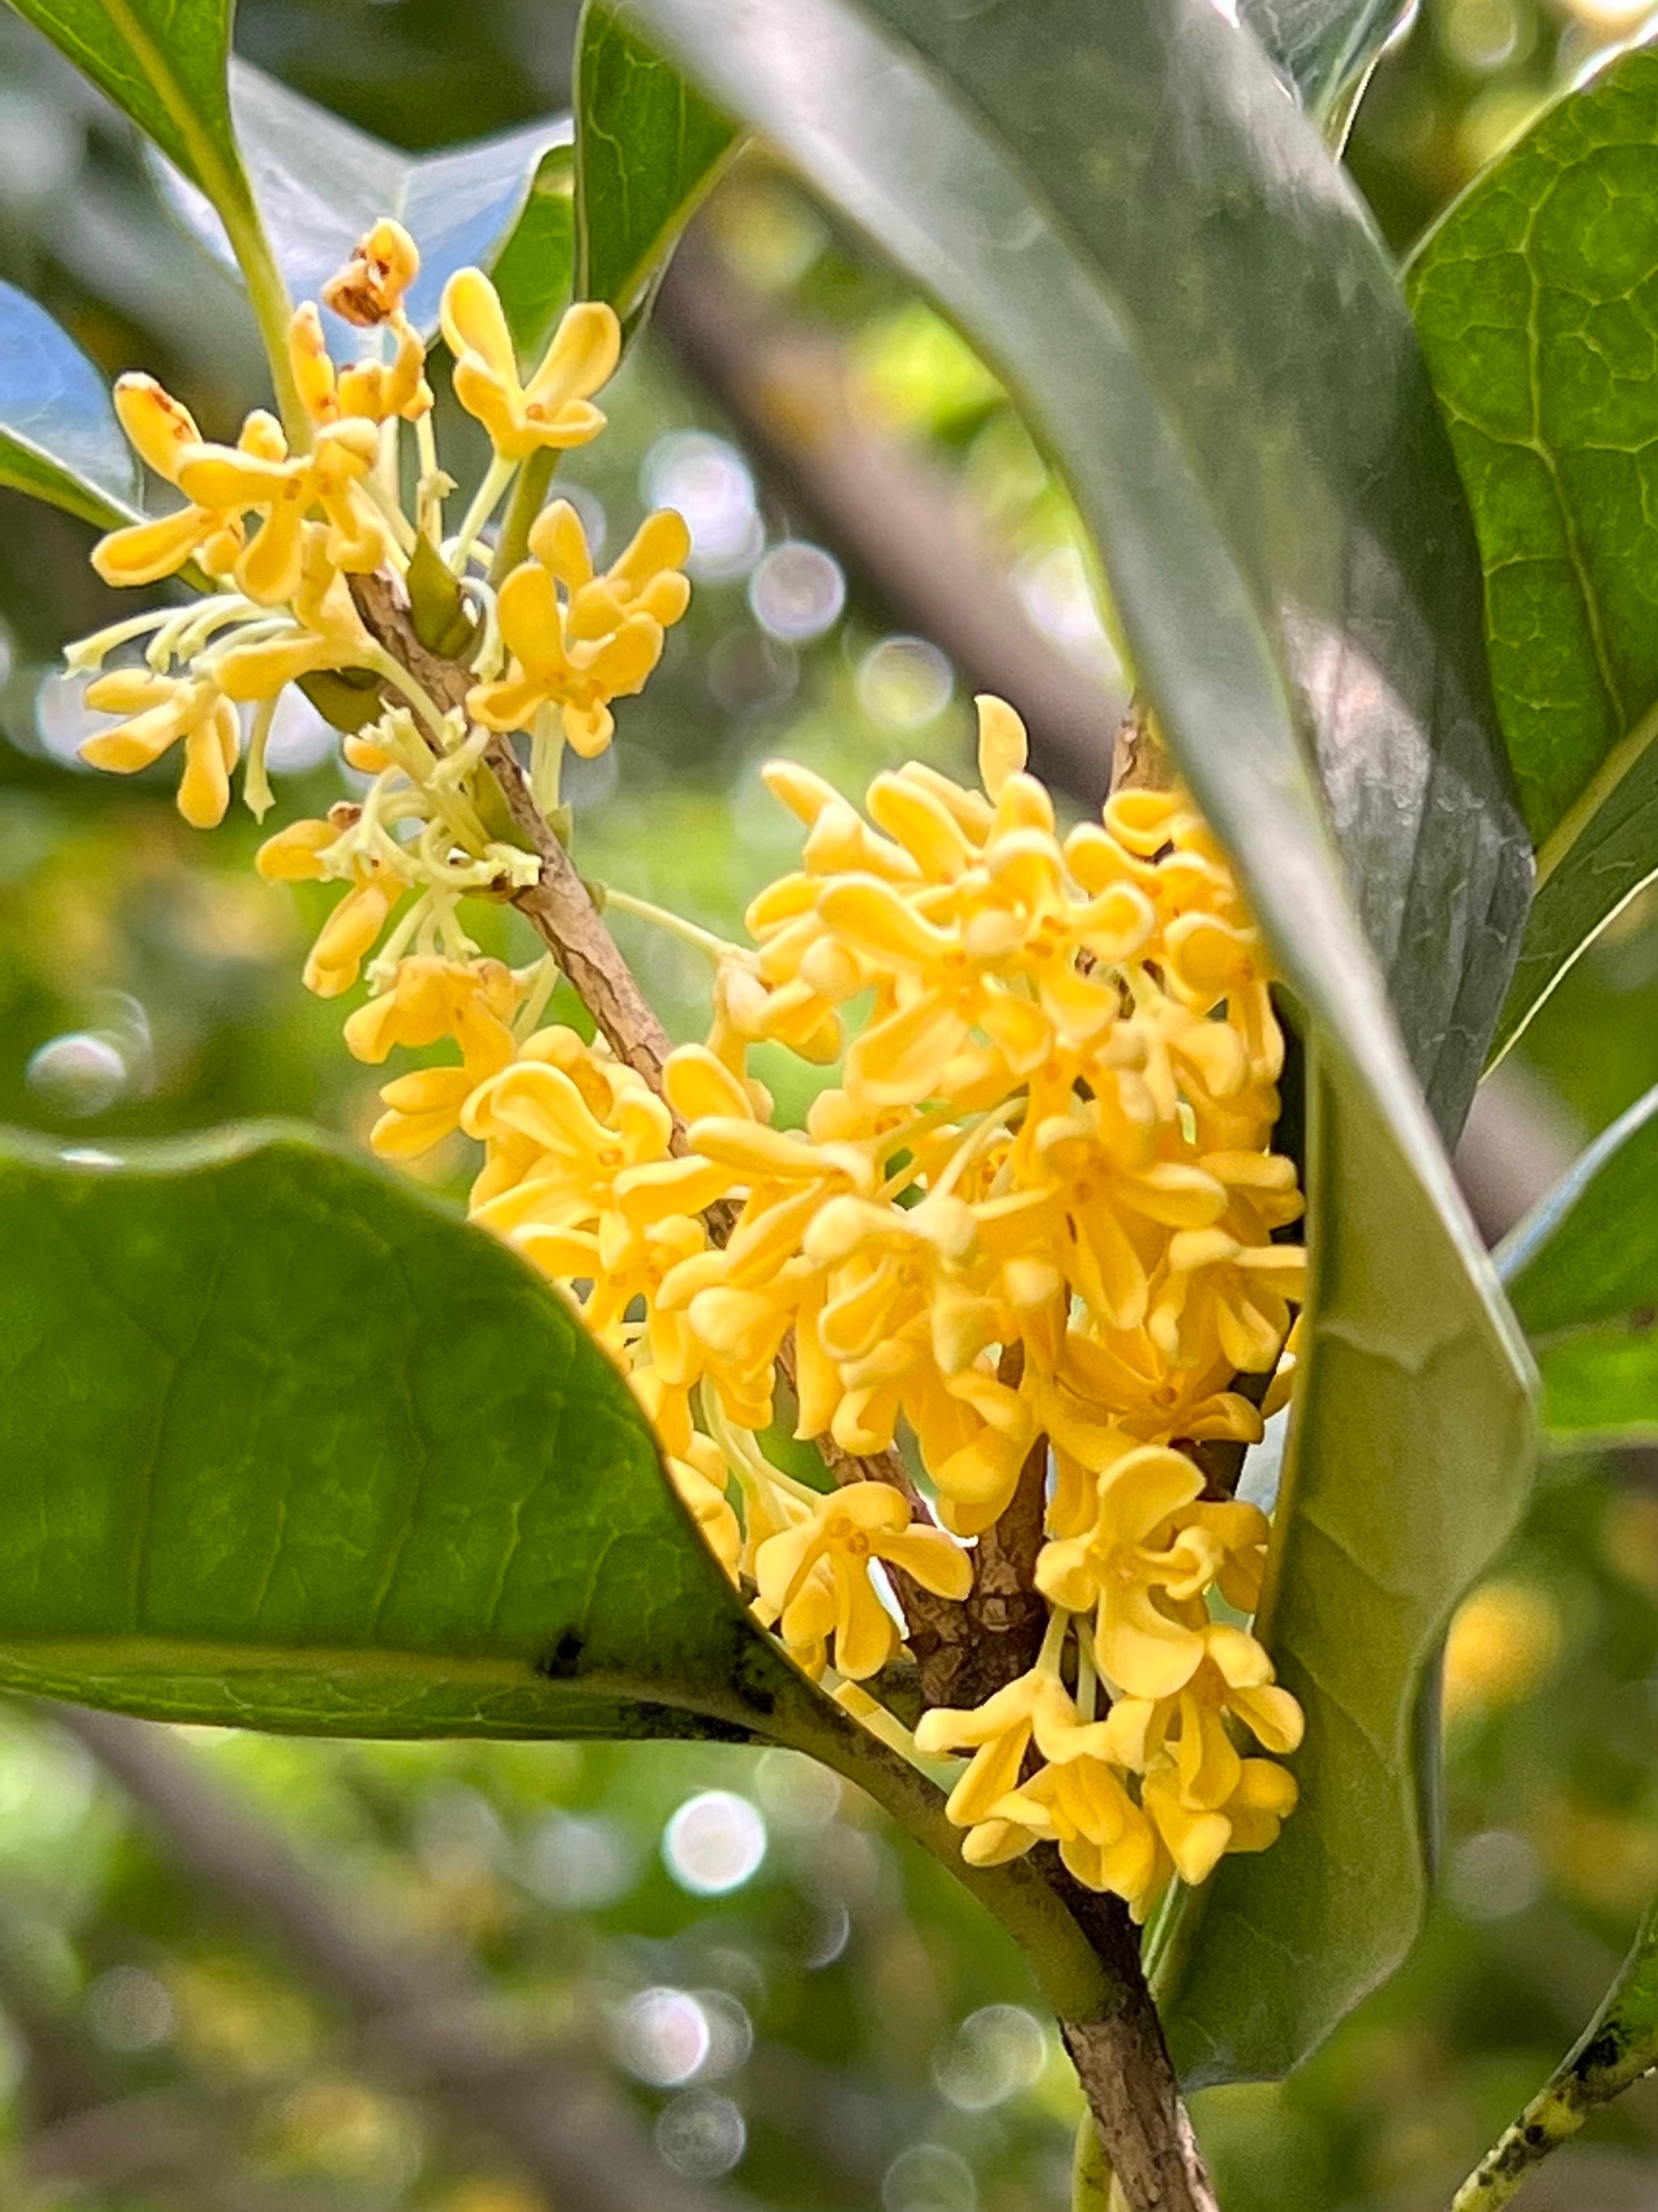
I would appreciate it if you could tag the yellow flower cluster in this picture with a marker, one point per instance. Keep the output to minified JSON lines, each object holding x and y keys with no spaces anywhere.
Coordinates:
{"x":1031,"y":1231}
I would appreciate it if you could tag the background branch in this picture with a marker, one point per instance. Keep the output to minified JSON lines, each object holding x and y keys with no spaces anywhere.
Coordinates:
{"x":420,"y":2015}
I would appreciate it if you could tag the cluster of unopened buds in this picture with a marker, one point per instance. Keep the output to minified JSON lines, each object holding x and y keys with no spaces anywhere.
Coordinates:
{"x":1027,"y":1241}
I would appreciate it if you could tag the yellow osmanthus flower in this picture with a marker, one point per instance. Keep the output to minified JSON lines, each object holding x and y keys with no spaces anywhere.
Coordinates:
{"x":813,"y":1578}
{"x":599,"y":641}
{"x":283,"y":489}
{"x":160,"y":711}
{"x":1032,"y":1231}
{"x":163,"y":432}
{"x":297,"y":855}
{"x":431,"y":999}
{"x":554,"y":409}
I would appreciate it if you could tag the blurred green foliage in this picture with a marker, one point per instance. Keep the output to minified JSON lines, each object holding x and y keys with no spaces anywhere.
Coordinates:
{"x":860,"y":2045}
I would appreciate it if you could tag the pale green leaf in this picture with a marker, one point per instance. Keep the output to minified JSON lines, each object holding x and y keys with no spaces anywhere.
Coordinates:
{"x":320,"y":183}
{"x":59,"y":439}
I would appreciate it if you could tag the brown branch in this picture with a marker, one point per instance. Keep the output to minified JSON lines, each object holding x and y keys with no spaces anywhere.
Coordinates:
{"x":418,"y":2014}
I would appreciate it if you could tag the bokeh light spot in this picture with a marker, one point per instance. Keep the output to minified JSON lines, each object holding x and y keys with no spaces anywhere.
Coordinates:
{"x":715,"y":1843}
{"x":708,"y":482}
{"x":927,"y":2178}
{"x":662,"y":2037}
{"x":78,"y":1075}
{"x":996,"y":2052}
{"x":905,"y":682}
{"x":701,"y":2135}
{"x":797,"y":591}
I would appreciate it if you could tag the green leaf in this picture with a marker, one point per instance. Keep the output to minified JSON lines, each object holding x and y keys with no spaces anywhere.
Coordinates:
{"x":1534,"y":299}
{"x":1582,"y":1271}
{"x":1156,"y":252}
{"x":648,"y":150}
{"x":165,"y":63}
{"x":286,"y":1445}
{"x":162,"y":61}
{"x":321,"y":183}
{"x":535,"y":271}
{"x":59,"y":439}
{"x":1327,"y":48}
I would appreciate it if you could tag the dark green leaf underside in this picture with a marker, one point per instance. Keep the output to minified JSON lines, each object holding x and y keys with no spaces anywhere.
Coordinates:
{"x":285,"y":1444}
{"x":1582,"y":1273}
{"x":1162,"y":261}
{"x":1537,"y":302}
{"x":59,"y":439}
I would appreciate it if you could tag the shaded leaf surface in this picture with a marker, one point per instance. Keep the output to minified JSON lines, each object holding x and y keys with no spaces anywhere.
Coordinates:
{"x":286,"y":1445}
{"x":1327,"y":48}
{"x":59,"y":439}
{"x":1582,"y":1271}
{"x":650,"y":147}
{"x":321,"y":182}
{"x":1537,"y":302}
{"x":1158,"y":254}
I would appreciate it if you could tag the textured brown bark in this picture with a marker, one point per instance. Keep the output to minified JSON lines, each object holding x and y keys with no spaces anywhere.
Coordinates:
{"x":1127,"y":2076}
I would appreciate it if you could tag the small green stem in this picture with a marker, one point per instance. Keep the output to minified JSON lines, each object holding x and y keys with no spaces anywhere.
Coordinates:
{"x":1616,"y":2049}
{"x":528,"y":497}
{"x":272,"y":310}
{"x":485,"y":499}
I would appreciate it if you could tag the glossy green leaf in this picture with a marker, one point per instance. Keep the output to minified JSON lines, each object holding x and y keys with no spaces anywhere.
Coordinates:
{"x":1129,"y":220}
{"x":287,"y":1445}
{"x":162,"y":61}
{"x":1582,"y":1271}
{"x":1535,"y":298}
{"x":648,"y":150}
{"x":534,"y":272}
{"x":321,"y":182}
{"x":166,"y":63}
{"x":1327,"y":48}
{"x":59,"y":439}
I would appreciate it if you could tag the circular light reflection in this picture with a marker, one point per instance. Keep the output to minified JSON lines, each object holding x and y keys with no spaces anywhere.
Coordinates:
{"x":129,"y":2010}
{"x":797,"y":591}
{"x":710,"y":484}
{"x":662,"y":2038}
{"x":927,"y":2178}
{"x":905,"y":682}
{"x":996,"y":2052}
{"x":715,"y":1843}
{"x":63,"y":719}
{"x":1494,"y":1875}
{"x":78,"y":1075}
{"x":730,"y":2034}
{"x":701,"y":2135}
